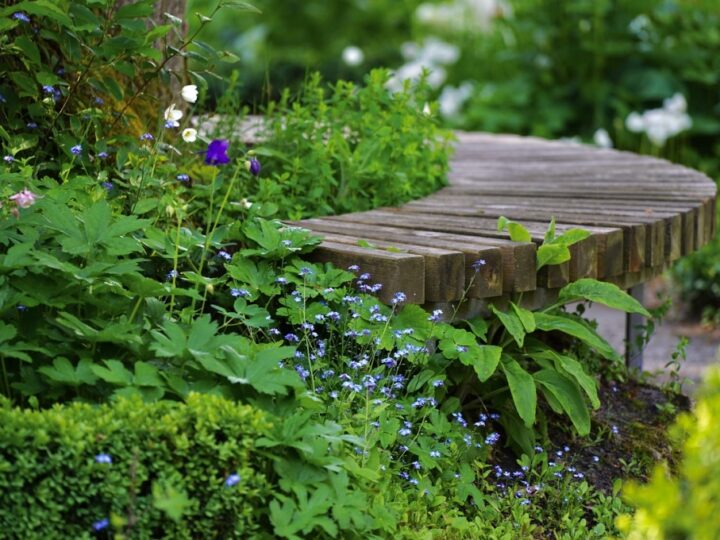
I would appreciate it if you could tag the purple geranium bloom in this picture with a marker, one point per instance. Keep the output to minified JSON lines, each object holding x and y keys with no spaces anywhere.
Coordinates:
{"x":216,"y":153}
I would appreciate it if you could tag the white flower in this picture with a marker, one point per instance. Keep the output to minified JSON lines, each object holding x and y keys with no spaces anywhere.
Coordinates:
{"x":452,"y":99}
{"x":427,"y":111}
{"x":353,"y":56}
{"x":635,"y":123}
{"x":676,"y":104}
{"x":602,"y":138}
{"x":173,"y":115}
{"x":189,"y":135}
{"x":246,"y":203}
{"x":189,"y":93}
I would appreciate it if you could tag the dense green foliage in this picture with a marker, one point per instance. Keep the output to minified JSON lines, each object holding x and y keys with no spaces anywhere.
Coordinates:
{"x":154,"y":471}
{"x":684,"y":503}
{"x":185,"y":371}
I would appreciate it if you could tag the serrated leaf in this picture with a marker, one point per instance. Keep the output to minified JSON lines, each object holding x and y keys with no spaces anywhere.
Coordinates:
{"x":114,"y":373}
{"x":147,"y":375}
{"x":602,"y":292}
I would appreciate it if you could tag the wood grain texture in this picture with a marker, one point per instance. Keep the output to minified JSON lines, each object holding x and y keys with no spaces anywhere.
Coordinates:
{"x":643,"y":213}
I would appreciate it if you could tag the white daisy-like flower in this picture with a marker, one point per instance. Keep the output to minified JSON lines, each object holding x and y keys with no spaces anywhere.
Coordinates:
{"x":189,"y":135}
{"x":189,"y":93}
{"x":172,"y":116}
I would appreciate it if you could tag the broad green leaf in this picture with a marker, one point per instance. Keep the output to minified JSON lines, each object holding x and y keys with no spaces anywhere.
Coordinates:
{"x":522,"y":389}
{"x":483,"y":359}
{"x":567,"y":394}
{"x":550,"y":254}
{"x":517,"y":232}
{"x":571,"y":236}
{"x":575,"y":328}
{"x":602,"y":292}
{"x":572,"y":368}
{"x":512,"y":324}
{"x":479,"y":327}
{"x":526,"y":317}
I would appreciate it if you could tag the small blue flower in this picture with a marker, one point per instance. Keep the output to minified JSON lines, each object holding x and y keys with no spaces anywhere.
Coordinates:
{"x":182,"y":177}
{"x":103,"y":155}
{"x":31,"y":125}
{"x":103,"y":458}
{"x":477,"y":265}
{"x":232,"y":480}
{"x":305,"y":271}
{"x":492,"y":439}
{"x":354,"y":268}
{"x":615,"y":430}
{"x":224,"y":255}
{"x":596,"y":459}
{"x":291,"y":338}
{"x":107,"y":185}
{"x":8,"y":159}
{"x":170,"y":124}
{"x":20,"y":16}
{"x":239,"y":293}
{"x":172,"y":274}
{"x":76,"y":150}
{"x":48,"y":89}
{"x":146,"y":137}
{"x":101,"y":524}
{"x":398,"y":297}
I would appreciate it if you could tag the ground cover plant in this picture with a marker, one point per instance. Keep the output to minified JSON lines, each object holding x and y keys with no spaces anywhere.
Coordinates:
{"x":172,"y":367}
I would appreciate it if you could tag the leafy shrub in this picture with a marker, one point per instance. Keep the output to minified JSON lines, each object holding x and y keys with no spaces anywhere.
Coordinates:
{"x":349,"y":148}
{"x":684,"y":503}
{"x":166,"y":470}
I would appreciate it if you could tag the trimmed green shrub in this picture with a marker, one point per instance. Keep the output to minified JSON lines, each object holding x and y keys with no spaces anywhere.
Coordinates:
{"x":162,"y":470}
{"x":687,"y":504}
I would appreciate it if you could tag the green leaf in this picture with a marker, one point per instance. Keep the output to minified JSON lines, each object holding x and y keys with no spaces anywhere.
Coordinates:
{"x":114,"y":373}
{"x":550,"y":233}
{"x":483,"y":359}
{"x":569,"y":397}
{"x":40,"y":8}
{"x":517,"y":232}
{"x":512,"y":324}
{"x":62,"y":371}
{"x":28,"y":47}
{"x":604,"y":293}
{"x":171,"y":500}
{"x":575,"y":328}
{"x":571,"y":367}
{"x":526,"y":317}
{"x":147,"y":375}
{"x":550,"y":254}
{"x":522,"y":389}
{"x":479,"y":327}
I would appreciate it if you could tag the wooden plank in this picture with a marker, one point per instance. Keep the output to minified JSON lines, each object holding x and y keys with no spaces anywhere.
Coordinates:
{"x":519,"y":276}
{"x":584,"y":254}
{"x":504,"y":260}
{"x":640,"y":245}
{"x":444,"y":269}
{"x":398,"y":272}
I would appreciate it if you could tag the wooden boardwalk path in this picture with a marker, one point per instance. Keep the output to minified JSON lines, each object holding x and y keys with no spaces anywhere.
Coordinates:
{"x":643,"y":213}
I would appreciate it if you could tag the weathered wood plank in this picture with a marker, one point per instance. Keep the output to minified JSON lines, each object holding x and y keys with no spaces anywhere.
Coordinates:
{"x":483,"y":281}
{"x":444,"y":269}
{"x":398,"y":272}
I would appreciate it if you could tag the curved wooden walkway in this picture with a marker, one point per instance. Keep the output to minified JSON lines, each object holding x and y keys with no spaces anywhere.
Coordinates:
{"x":643,"y":213}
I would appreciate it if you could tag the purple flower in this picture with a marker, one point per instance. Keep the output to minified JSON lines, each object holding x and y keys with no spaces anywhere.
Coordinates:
{"x":253,"y":165}
{"x":182,"y":177}
{"x":102,"y":155}
{"x":99,"y":101}
{"x":31,"y":125}
{"x":76,"y":150}
{"x":103,"y":458}
{"x":232,"y":480}
{"x":224,"y":255}
{"x":101,"y":524}
{"x":48,"y":89}
{"x":477,"y":265}
{"x":146,"y":137}
{"x":8,"y":159}
{"x":20,"y":16}
{"x":436,"y":316}
{"x":216,"y":153}
{"x":107,"y":185}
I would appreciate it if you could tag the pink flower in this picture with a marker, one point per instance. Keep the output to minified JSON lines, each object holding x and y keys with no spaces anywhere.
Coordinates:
{"x":24,"y":198}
